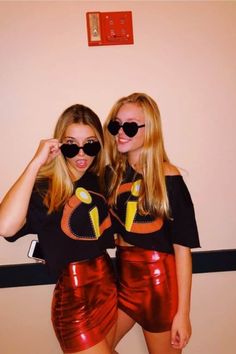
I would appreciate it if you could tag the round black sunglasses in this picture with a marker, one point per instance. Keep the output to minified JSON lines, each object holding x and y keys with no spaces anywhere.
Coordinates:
{"x":71,"y":150}
{"x":130,"y":128}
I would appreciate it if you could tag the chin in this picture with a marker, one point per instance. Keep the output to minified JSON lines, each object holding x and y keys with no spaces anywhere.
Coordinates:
{"x":123,"y":149}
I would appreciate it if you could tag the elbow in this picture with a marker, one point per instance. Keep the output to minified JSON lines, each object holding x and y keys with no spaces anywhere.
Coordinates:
{"x":181,"y":249}
{"x":8,"y":230}
{"x":5,"y":232}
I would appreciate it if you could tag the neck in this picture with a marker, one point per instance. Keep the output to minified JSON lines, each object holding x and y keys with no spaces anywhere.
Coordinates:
{"x":133,"y":160}
{"x":135,"y":165}
{"x":74,"y":174}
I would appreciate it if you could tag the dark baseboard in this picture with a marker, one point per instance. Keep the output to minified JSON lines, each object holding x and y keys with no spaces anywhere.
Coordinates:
{"x":214,"y":261}
{"x":29,"y":274}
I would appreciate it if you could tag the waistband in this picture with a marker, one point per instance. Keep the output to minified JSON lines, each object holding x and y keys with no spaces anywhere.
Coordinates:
{"x":133,"y":253}
{"x":87,"y":271}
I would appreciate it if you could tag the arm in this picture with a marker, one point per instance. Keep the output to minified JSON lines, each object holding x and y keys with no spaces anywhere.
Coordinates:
{"x":181,"y":327}
{"x":14,"y":206}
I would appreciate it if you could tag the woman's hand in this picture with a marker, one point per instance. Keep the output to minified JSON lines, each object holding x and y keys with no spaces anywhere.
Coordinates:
{"x":181,"y":331}
{"x":47,"y":151}
{"x":14,"y":206}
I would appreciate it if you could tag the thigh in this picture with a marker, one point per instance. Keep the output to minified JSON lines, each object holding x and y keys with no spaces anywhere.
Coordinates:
{"x":124,"y":324}
{"x":147,"y":289}
{"x":110,"y":337}
{"x":159,"y":343}
{"x":100,"y":348}
{"x":83,"y":313}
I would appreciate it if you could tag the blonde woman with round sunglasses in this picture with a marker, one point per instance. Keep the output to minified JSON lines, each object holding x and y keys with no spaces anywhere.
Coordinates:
{"x":155,"y":224}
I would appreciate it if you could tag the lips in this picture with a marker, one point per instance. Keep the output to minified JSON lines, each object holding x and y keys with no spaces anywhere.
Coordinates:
{"x":81,"y":163}
{"x":122,"y":140}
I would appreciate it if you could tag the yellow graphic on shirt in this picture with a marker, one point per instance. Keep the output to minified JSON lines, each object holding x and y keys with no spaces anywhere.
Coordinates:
{"x":95,"y":221}
{"x":85,"y":215}
{"x":131,"y":207}
{"x":85,"y":197}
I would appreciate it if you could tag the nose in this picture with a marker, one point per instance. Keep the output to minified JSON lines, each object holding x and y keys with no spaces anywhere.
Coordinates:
{"x":81,"y":151}
{"x":121,"y":131}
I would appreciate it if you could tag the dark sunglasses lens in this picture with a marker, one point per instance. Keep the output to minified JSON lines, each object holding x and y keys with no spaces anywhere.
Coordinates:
{"x":113,"y":127}
{"x":92,"y":149}
{"x":69,"y":150}
{"x":130,"y":129}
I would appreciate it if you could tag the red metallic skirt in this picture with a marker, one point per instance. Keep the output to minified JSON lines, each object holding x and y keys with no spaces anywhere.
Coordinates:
{"x":147,"y":290}
{"x":84,"y":305}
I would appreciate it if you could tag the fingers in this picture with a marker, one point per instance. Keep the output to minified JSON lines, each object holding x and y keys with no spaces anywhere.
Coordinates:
{"x":54,"y":146}
{"x":175,"y":339}
{"x":47,"y":150}
{"x":178,"y":341}
{"x":180,"y":332}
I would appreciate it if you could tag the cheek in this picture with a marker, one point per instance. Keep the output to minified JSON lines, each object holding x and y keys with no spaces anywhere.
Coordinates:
{"x":92,"y":158}
{"x":138,"y":140}
{"x":70,"y":161}
{"x":142,"y":135}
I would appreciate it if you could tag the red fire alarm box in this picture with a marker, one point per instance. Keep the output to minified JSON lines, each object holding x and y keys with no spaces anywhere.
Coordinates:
{"x":109,"y":28}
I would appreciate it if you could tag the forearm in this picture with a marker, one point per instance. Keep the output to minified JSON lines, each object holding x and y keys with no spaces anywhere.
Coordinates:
{"x":14,"y":206}
{"x":181,"y":327}
{"x":184,"y":278}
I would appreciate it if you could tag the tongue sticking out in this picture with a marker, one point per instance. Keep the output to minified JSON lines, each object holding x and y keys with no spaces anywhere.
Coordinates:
{"x":81,"y":163}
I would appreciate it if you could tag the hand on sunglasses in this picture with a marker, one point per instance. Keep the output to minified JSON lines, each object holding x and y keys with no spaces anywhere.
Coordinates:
{"x":71,"y":150}
{"x":130,"y":128}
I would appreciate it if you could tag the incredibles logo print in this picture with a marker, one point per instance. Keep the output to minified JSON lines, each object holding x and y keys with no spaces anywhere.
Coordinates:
{"x":81,"y":219}
{"x":127,"y":213}
{"x":86,"y":198}
{"x":131,"y":207}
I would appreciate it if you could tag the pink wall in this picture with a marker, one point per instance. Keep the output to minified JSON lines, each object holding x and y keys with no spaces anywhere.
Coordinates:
{"x":184,"y":56}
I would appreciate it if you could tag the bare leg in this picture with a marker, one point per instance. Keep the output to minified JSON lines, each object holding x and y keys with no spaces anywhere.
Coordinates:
{"x":103,"y":347}
{"x":160,"y":343}
{"x":110,"y":337}
{"x":100,"y":348}
{"x":124,"y":324}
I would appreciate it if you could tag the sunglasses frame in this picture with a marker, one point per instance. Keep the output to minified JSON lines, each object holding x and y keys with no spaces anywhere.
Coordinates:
{"x":71,"y":150}
{"x":130,"y":128}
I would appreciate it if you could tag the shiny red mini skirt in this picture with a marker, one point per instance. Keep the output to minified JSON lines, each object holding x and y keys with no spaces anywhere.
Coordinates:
{"x":84,"y":305}
{"x":147,"y":289}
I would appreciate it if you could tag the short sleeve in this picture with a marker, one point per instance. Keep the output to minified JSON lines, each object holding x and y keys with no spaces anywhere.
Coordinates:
{"x":183,"y":226}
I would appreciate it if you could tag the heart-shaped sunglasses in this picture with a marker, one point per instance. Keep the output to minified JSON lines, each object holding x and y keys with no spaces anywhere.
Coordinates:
{"x":130,"y":128}
{"x":71,"y":150}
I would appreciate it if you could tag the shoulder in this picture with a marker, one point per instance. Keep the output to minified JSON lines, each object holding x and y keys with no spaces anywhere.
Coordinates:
{"x":170,"y":170}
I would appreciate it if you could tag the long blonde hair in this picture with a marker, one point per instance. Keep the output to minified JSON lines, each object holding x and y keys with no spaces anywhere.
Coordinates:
{"x":153,"y":197}
{"x":60,"y":184}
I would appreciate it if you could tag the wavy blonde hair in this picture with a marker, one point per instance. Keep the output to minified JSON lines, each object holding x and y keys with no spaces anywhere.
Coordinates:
{"x":60,"y":187}
{"x":153,"y":197}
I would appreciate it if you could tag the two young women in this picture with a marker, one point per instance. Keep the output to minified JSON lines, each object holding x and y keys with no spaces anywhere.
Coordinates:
{"x":59,"y":196}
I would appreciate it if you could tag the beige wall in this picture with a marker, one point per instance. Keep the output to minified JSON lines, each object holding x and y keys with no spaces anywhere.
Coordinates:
{"x":185,"y":57}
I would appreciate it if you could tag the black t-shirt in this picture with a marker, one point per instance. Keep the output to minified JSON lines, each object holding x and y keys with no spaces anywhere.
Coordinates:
{"x":150,"y":232}
{"x":79,"y":230}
